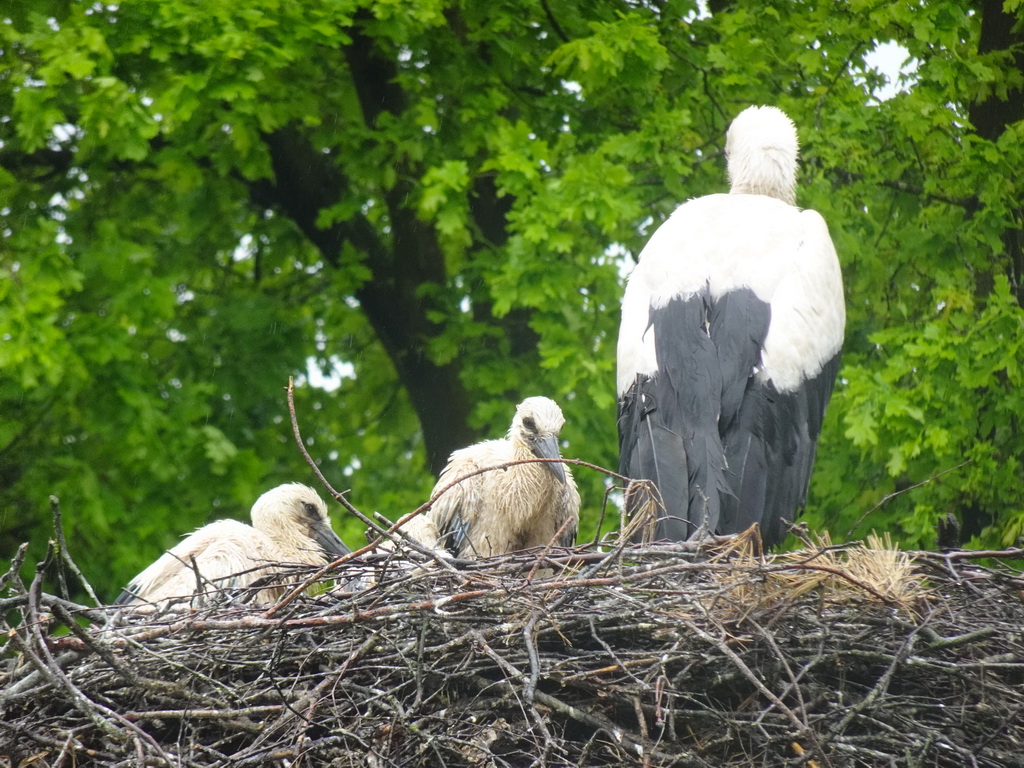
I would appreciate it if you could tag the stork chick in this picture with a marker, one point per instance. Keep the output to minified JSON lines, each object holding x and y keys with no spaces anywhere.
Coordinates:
{"x":732,"y":324}
{"x":290,"y":525}
{"x":504,"y":510}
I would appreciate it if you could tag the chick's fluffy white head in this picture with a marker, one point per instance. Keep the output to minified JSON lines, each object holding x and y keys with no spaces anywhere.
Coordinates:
{"x":293,"y":515}
{"x":538,"y":416}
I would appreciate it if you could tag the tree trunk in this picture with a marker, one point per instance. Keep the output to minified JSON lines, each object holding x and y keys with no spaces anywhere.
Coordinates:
{"x":1002,"y":31}
{"x":306,"y":181}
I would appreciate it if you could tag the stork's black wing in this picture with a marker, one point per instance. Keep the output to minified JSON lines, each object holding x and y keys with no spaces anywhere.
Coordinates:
{"x":794,"y":422}
{"x":670,"y":422}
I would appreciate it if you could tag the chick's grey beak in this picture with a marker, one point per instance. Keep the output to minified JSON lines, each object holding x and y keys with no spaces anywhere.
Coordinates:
{"x":547,"y":448}
{"x":329,"y":541}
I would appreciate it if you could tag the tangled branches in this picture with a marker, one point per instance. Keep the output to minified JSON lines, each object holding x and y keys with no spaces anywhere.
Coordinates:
{"x":673,"y":656}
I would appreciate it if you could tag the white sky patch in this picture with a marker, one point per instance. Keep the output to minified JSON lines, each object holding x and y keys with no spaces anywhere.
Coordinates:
{"x":702,"y":12}
{"x":64,"y":132}
{"x":619,"y":255}
{"x":895,"y":62}
{"x":339,"y":371}
{"x":320,"y":337}
{"x":244,"y":250}
{"x":58,"y":201}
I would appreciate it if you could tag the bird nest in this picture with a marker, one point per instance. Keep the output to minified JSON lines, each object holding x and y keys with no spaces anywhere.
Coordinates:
{"x":685,"y":655}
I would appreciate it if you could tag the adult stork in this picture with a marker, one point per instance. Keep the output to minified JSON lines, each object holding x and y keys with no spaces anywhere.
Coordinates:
{"x":516,"y":507}
{"x":290,"y":525}
{"x":732,"y":324}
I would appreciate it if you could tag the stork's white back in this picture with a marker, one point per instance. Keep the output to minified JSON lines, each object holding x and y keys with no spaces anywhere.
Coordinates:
{"x":730,"y":241}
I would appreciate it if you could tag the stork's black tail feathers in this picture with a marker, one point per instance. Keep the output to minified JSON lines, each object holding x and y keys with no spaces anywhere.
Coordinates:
{"x":725,"y":448}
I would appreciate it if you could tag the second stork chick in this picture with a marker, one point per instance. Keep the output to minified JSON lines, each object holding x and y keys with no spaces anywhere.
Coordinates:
{"x":290,"y":525}
{"x":504,"y":510}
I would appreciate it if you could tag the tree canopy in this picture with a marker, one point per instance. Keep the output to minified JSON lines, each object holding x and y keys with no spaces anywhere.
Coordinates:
{"x":425,"y":211}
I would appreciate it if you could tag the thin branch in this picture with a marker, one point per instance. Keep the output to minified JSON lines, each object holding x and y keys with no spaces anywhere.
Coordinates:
{"x":65,"y":554}
{"x":894,"y":494}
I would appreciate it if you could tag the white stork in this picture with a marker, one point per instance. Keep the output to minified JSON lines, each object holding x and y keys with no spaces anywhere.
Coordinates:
{"x":732,"y":324}
{"x":504,"y":510}
{"x":290,"y":525}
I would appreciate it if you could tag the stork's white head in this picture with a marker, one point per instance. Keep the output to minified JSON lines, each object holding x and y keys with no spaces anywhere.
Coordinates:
{"x":295,"y":517}
{"x":762,"y":149}
{"x":537,"y":424}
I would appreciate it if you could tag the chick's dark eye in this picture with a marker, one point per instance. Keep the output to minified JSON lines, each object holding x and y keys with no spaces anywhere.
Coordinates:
{"x":311,"y":510}
{"x":530,"y":424}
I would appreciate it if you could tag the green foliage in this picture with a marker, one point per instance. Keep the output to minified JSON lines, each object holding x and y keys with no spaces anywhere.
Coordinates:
{"x":942,"y":395}
{"x":160,"y":280}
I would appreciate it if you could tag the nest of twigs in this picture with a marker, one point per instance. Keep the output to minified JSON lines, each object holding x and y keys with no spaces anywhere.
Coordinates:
{"x":656,"y":656}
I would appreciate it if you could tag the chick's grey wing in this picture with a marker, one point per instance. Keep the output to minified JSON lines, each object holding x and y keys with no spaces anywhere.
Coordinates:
{"x":570,"y":512}
{"x":451,"y":514}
